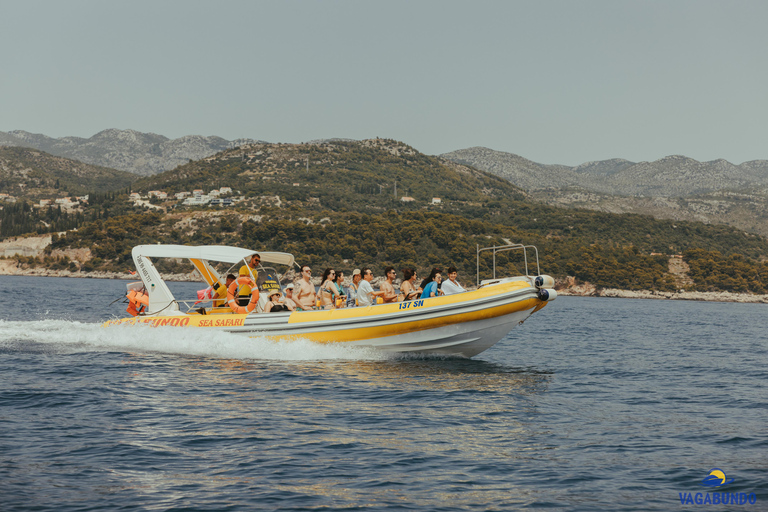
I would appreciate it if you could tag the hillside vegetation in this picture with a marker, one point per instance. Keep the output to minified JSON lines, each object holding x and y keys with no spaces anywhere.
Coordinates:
{"x":32,"y":174}
{"x":334,"y":204}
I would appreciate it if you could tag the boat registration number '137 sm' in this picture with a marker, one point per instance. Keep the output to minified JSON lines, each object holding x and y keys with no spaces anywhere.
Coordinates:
{"x":411,"y":304}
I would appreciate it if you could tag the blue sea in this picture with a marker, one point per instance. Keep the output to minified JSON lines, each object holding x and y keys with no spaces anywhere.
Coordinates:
{"x":591,"y":404}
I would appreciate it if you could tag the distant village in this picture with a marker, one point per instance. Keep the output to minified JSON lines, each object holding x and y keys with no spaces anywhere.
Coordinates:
{"x":195,"y":198}
{"x":198,"y":197}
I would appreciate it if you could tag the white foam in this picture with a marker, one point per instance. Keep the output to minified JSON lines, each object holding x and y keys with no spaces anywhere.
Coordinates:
{"x":77,"y":336}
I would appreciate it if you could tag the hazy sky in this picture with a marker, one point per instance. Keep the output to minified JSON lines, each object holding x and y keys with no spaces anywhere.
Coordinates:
{"x":560,"y":81}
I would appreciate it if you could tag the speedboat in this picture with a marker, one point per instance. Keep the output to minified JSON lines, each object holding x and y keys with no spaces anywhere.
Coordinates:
{"x":463,"y":324}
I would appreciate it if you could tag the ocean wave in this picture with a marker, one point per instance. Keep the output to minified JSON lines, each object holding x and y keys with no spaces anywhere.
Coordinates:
{"x":74,"y":336}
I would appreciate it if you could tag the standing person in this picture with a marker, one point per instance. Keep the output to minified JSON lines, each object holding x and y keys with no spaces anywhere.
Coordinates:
{"x":328,"y":290}
{"x":431,"y":289}
{"x":250,"y":271}
{"x":408,"y":288}
{"x":352,"y":295}
{"x":306,"y":296}
{"x":289,"y":302}
{"x":365,"y":293}
{"x":387,"y":288}
{"x":452,"y":286}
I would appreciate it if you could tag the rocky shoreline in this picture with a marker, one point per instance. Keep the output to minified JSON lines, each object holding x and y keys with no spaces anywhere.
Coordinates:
{"x":745,"y":298}
{"x":580,"y":290}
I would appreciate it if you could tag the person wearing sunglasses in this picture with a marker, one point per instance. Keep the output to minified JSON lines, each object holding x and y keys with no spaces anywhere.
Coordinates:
{"x":328,"y":290}
{"x":306,"y":296}
{"x":249,"y":270}
{"x":365,"y":294}
{"x":387,"y":287}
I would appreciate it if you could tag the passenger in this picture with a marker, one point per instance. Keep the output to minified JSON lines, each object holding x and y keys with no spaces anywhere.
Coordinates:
{"x":431,"y":277}
{"x":328,"y":290}
{"x":341,"y":301}
{"x":248,"y":270}
{"x":365,"y":293}
{"x":408,"y":289}
{"x":431,"y":290}
{"x":289,"y":302}
{"x":274,"y":305}
{"x":452,"y":286}
{"x":220,"y":299}
{"x":306,"y":297}
{"x":352,"y":295}
{"x":387,"y":287}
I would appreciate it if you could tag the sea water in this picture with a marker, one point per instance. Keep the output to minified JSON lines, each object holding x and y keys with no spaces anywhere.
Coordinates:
{"x":591,"y":404}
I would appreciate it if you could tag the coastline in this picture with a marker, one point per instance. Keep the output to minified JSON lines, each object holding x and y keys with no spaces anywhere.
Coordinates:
{"x":581,"y":290}
{"x":590,"y":291}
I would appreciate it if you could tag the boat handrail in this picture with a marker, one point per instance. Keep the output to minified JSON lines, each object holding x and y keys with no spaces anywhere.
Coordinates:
{"x":503,"y":248}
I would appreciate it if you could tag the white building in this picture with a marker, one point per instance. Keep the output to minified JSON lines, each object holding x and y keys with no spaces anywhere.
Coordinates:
{"x":182,"y":195}
{"x":436,"y":200}
{"x":225,"y":190}
{"x":407,"y":199}
{"x":197,"y":200}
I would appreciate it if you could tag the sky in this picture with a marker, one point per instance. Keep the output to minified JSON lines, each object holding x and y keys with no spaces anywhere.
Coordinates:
{"x":554,"y":81}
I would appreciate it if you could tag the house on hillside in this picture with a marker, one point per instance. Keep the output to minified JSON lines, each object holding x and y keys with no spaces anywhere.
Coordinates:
{"x":436,"y":200}
{"x":198,"y":200}
{"x":407,"y":199}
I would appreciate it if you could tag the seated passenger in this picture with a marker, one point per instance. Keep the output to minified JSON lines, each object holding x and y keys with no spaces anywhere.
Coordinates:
{"x":289,"y":302}
{"x":274,"y":305}
{"x":387,"y":287}
{"x":328,"y":289}
{"x":342,"y":292}
{"x":431,"y":290}
{"x":365,"y":293}
{"x":452,"y":286}
{"x":431,"y":277}
{"x":306,"y":297}
{"x":220,"y":292}
{"x":408,"y":288}
{"x":352,"y":297}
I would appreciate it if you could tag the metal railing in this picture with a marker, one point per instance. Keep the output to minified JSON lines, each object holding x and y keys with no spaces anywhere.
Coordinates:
{"x":503,"y":248}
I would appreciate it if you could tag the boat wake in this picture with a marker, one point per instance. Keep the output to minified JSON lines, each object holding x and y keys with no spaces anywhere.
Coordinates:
{"x":64,"y":336}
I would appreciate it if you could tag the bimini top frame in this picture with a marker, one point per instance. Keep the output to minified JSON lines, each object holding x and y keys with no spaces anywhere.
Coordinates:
{"x":503,"y":248}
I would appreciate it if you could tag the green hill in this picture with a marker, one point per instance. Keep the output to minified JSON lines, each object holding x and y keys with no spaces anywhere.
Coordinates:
{"x":33,"y":174}
{"x":340,"y":204}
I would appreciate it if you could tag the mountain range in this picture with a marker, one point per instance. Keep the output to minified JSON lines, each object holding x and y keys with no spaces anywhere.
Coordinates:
{"x":671,"y":176}
{"x":125,"y":150}
{"x":675,"y":187}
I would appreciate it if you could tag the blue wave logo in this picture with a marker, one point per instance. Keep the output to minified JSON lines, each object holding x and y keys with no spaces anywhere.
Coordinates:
{"x":716,"y":478}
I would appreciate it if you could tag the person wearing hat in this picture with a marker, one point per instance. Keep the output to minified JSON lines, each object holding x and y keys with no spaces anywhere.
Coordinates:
{"x":289,"y":302}
{"x":274,"y":305}
{"x":352,"y":295}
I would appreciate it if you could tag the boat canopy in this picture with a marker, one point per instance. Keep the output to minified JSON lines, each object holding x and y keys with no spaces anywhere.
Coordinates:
{"x":222,"y":253}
